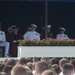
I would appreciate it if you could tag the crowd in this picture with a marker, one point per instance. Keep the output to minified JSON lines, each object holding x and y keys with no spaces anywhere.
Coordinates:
{"x":38,"y":66}
{"x":11,"y":40}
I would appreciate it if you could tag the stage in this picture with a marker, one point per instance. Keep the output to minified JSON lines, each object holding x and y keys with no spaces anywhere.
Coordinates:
{"x":46,"y":51}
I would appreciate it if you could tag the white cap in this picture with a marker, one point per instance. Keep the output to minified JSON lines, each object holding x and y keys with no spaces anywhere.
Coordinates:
{"x":61,"y":28}
{"x":48,"y":26}
{"x":13,"y":26}
{"x":33,"y":25}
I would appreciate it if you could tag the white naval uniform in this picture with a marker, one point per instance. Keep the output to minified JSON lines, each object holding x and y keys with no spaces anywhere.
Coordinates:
{"x":62,"y":36}
{"x":32,"y":35}
{"x":4,"y":44}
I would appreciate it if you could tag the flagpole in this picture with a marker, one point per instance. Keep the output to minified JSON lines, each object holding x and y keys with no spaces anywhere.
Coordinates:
{"x":46,"y":17}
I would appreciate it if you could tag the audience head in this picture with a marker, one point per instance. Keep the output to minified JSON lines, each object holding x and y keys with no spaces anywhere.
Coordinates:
{"x":73,"y":63}
{"x":28,"y":71}
{"x":1,"y":67}
{"x":18,"y":70}
{"x":30,"y":65}
{"x":62,"y":62}
{"x":49,"y":72}
{"x":57,"y":68}
{"x":4,"y":62}
{"x":68,"y":69}
{"x":29,"y":60}
{"x":11,"y":62}
{"x":7,"y":69}
{"x":41,"y":67}
{"x":22,"y":61}
{"x":54,"y":61}
{"x":35,"y":59}
{"x":47,"y":60}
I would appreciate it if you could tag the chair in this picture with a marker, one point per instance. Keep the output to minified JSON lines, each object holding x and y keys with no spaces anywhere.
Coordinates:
{"x":2,"y":51}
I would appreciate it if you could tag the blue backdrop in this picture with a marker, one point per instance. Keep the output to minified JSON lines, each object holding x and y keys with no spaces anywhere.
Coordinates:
{"x":24,"y":13}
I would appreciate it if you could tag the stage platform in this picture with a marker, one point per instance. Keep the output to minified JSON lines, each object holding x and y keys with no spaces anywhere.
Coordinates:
{"x":46,"y":51}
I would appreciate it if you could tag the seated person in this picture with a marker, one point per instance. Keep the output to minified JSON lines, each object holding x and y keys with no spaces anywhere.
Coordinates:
{"x":49,"y":34}
{"x":3,"y":43}
{"x":32,"y":34}
{"x":62,"y":35}
{"x":15,"y":39}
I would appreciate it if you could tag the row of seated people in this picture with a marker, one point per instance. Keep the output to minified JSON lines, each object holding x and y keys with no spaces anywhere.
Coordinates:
{"x":38,"y":66}
{"x":14,"y":36}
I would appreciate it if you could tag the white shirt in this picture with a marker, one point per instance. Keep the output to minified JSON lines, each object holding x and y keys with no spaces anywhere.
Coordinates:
{"x":61,"y":73}
{"x":62,"y":36}
{"x":32,"y":35}
{"x":2,"y":36}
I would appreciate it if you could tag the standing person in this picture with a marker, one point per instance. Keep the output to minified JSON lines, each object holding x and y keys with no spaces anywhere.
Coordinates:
{"x":16,"y":37}
{"x":49,"y":34}
{"x":62,"y":34}
{"x":3,"y":42}
{"x":32,"y":35}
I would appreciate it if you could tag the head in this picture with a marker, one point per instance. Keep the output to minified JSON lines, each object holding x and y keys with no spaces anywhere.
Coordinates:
{"x":11,"y":62}
{"x":33,"y":27}
{"x":7,"y":69}
{"x":1,"y":67}
{"x":47,"y":60}
{"x":15,"y":28}
{"x":22,"y":61}
{"x":40,"y":67}
{"x":54,"y":61}
{"x":73,"y":63}
{"x":18,"y":70}
{"x":62,"y":62}
{"x":62,"y":30}
{"x":4,"y":62}
{"x":9,"y":29}
{"x":28,"y":71}
{"x":35,"y":59}
{"x":48,"y":28}
{"x":68,"y":69}
{"x":49,"y":72}
{"x":30,"y":65}
{"x":29,"y":59}
{"x":57,"y":68}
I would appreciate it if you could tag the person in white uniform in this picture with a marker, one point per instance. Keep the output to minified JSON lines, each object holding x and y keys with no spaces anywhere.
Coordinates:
{"x":3,"y":43}
{"x":62,"y":35}
{"x":26,"y":35}
{"x":32,"y":35}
